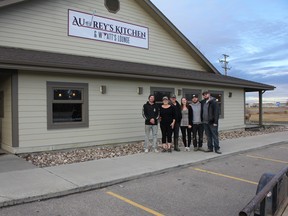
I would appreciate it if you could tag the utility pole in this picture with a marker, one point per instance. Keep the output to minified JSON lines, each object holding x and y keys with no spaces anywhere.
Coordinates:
{"x":224,"y":62}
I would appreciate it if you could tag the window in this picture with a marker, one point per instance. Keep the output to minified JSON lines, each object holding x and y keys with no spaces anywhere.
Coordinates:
{"x":188,"y":94}
{"x":67,"y":105}
{"x":160,"y":92}
{"x":220,"y":99}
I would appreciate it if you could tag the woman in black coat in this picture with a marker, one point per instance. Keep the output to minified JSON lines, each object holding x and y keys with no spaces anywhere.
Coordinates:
{"x":167,"y":121}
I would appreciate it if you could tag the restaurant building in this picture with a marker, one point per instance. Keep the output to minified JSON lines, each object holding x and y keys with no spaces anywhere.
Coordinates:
{"x":76,"y":73}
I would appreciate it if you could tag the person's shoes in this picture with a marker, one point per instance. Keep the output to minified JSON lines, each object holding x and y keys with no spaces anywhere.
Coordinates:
{"x":200,"y":149}
{"x":146,"y":150}
{"x":195,"y":149}
{"x":188,"y":149}
{"x":176,"y":149}
{"x":218,"y":152}
{"x":164,"y":150}
{"x":156,"y":151}
{"x":208,"y":150}
{"x":170,"y":150}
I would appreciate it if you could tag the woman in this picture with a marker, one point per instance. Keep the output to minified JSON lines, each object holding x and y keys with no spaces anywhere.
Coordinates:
{"x":167,"y":121}
{"x":186,"y":123}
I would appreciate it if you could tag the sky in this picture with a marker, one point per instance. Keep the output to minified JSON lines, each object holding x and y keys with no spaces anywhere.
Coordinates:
{"x":254,"y":33}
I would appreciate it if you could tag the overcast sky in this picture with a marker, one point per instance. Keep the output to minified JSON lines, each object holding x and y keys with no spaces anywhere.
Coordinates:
{"x":254,"y":33}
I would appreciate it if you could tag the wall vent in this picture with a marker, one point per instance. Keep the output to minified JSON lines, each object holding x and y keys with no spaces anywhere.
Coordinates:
{"x":113,"y":6}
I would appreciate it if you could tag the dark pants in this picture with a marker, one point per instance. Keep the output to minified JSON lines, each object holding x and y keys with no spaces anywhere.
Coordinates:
{"x":176,"y":130}
{"x":197,"y":129}
{"x":212,"y":136}
{"x":166,"y":131}
{"x":183,"y":131}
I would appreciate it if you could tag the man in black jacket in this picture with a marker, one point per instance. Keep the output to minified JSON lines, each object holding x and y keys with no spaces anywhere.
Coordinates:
{"x":210,"y":116}
{"x":178,"y":118}
{"x":150,"y":112}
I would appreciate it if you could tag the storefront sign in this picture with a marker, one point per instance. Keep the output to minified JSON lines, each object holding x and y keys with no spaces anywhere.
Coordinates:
{"x":94,"y":27}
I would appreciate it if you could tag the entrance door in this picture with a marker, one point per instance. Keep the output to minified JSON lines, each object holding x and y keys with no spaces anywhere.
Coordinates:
{"x":0,"y":132}
{"x":1,"y":113}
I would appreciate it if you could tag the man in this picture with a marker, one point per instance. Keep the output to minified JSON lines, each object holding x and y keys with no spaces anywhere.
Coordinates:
{"x":178,"y":117}
{"x":210,"y":117}
{"x":150,"y":112}
{"x":197,"y":126}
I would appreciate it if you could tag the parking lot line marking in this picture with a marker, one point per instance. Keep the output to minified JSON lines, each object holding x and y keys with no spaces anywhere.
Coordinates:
{"x":283,"y":147}
{"x":268,"y":159}
{"x":134,"y":204}
{"x":226,"y":176}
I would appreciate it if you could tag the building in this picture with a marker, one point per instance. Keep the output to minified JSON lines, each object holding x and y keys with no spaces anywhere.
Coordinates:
{"x":76,"y":73}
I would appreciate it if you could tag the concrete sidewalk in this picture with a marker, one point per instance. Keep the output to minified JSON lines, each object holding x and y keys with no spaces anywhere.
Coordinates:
{"x":22,"y":182}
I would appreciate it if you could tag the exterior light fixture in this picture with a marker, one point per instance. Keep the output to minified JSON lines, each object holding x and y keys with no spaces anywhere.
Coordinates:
{"x":103,"y":89}
{"x":140,"y":90}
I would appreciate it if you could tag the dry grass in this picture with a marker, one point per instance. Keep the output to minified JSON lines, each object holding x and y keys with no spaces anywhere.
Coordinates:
{"x":270,"y":114}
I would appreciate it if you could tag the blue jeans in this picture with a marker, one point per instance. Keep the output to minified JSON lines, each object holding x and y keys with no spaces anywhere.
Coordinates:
{"x":212,"y":136}
{"x":154,"y":129}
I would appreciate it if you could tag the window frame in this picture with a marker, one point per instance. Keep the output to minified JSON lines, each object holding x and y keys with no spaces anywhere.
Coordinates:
{"x":50,"y":101}
{"x":161,"y":89}
{"x":192,"y":91}
{"x":221,"y":114}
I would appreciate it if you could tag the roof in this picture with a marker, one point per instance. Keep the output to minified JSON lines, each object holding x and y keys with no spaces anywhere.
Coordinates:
{"x":9,"y":2}
{"x":22,"y":59}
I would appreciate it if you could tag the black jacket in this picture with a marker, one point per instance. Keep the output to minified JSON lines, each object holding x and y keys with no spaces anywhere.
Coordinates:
{"x":213,"y":111}
{"x":150,"y":111}
{"x":178,"y":112}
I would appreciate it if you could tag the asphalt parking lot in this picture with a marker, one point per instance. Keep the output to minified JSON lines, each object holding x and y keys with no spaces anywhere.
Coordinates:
{"x":221,"y":186}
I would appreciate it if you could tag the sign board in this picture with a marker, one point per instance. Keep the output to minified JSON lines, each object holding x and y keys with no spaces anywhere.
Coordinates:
{"x":99,"y":28}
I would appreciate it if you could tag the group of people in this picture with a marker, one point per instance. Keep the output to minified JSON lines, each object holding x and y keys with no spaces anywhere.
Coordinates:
{"x":192,"y":119}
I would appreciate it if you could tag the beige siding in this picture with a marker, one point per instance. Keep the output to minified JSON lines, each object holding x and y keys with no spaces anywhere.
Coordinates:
{"x":113,"y":117}
{"x":233,"y":110}
{"x":6,"y":122}
{"x":42,"y":25}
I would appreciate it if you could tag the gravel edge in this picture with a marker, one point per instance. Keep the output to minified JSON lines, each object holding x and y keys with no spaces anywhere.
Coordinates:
{"x":69,"y":156}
